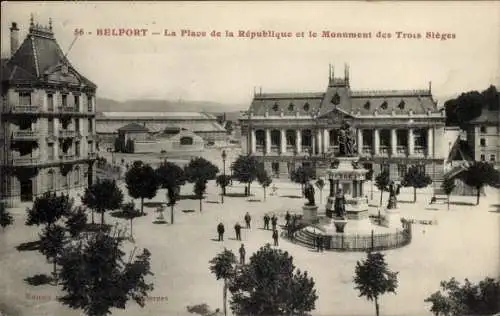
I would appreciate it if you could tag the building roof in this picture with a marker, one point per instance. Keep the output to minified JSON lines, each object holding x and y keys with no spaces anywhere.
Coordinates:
{"x":39,"y":57}
{"x":487,"y":116}
{"x":460,"y":151}
{"x":103,"y":127}
{"x":133,"y":127}
{"x":340,"y":97}
{"x":155,"y":116}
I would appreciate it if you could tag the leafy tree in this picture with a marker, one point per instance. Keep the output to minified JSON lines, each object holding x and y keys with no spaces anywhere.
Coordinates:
{"x":415,"y":177}
{"x":448,"y":186}
{"x":320,"y":184}
{"x":245,"y":169}
{"x":466,"y":299}
{"x":76,"y":221}
{"x":302,"y":175}
{"x":264,"y":179}
{"x":95,"y":278}
{"x":6,"y":218}
{"x":373,"y":278}
{"x":223,"y":181}
{"x":171,"y":177}
{"x":130,"y":212}
{"x":51,"y":244}
{"x":269,"y":285}
{"x":199,"y":189}
{"x":200,"y":169}
{"x":382,"y":181}
{"x":142,"y":182}
{"x":119,"y":145}
{"x":222,"y":266}
{"x":102,"y":196}
{"x":48,"y":209}
{"x":478,"y":175}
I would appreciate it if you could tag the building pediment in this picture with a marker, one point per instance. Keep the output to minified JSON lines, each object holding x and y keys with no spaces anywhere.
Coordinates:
{"x":63,"y":73}
{"x":335,"y":116}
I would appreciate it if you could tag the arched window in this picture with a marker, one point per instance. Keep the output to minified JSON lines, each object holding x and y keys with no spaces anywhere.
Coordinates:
{"x":384,"y":105}
{"x":291,"y":107}
{"x":50,"y":180}
{"x":336,"y":98}
{"x":367,"y":105}
{"x":186,"y":140}
{"x":76,"y":175}
{"x":275,"y":107}
{"x":306,"y":106}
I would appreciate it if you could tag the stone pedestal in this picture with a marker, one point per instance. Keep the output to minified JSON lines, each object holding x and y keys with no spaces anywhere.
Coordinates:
{"x":310,"y":214}
{"x":339,"y":223}
{"x":391,"y":218}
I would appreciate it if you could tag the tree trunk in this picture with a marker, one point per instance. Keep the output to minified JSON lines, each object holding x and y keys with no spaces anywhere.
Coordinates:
{"x":224,"y":190}
{"x":381,"y":191}
{"x":172,"y":213}
{"x":414,"y":194}
{"x":200,"y":205}
{"x":142,"y":206}
{"x":376,"y":307}
{"x":264,"y":193}
{"x":54,"y":270}
{"x":102,"y":217}
{"x":92,"y":212}
{"x":248,"y":191}
{"x":131,"y":236}
{"x":448,"y":202}
{"x":478,"y":194}
{"x":222,"y":196}
{"x":224,"y":298}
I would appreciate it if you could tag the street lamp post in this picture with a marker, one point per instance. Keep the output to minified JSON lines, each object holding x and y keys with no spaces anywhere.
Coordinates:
{"x":224,"y":156}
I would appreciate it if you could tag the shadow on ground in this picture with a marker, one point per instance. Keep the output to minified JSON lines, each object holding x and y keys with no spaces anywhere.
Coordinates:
{"x":29,"y":246}
{"x":462,"y":203}
{"x":292,"y":196}
{"x":212,"y":202}
{"x":188,"y":197}
{"x":153,"y":204}
{"x":188,"y":211}
{"x":238,"y":195}
{"x":254,"y":200}
{"x":160,"y":222}
{"x":38,"y":279}
{"x":121,"y":214}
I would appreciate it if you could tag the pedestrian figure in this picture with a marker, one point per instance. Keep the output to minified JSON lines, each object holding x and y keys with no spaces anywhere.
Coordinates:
{"x":274,"y":221}
{"x":266,"y":221}
{"x":220,"y":231}
{"x":275,"y":237}
{"x":237,"y":229}
{"x":287,"y":218}
{"x":248,"y":218}
{"x":242,"y":254}
{"x":433,"y":200}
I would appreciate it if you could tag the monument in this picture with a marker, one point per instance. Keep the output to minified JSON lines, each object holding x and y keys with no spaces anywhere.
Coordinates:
{"x":346,"y":224}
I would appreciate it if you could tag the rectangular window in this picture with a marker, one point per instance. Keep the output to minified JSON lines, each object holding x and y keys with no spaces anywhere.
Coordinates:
{"x":483,"y":129}
{"x":77,"y":125}
{"x":91,"y":128}
{"x":89,"y":103}
{"x":50,"y":151}
{"x":482,"y":142}
{"x":24,"y":98}
{"x":64,"y":100}
{"x":50,"y":127}
{"x":89,"y":147}
{"x":50,"y":102}
{"x":402,"y":170}
{"x":483,"y":157}
{"x":492,"y":158}
{"x":77,"y":149}
{"x":77,"y":101}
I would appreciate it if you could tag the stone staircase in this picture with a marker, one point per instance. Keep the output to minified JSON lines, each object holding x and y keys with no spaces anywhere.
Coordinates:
{"x":305,"y":237}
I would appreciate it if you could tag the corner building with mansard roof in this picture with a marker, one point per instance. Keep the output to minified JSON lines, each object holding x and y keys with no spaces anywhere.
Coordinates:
{"x":48,"y":119}
{"x":395,"y":129}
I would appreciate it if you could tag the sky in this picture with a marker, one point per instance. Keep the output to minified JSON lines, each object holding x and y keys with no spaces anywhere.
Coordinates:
{"x":226,"y":69}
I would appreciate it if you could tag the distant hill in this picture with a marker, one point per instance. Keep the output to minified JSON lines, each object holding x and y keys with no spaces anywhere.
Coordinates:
{"x":108,"y":105}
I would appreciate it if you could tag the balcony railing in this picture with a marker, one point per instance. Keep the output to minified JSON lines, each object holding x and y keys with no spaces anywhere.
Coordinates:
{"x":367,"y":150}
{"x":25,"y":109}
{"x":92,"y":155}
{"x":419,"y":151}
{"x":66,"y":157}
{"x":25,"y":161}
{"x":401,"y":150}
{"x":25,"y":135}
{"x":64,"y":133}
{"x":384,"y":150}
{"x":66,"y":109}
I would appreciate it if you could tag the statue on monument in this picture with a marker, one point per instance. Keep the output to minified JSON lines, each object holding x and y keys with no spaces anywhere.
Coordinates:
{"x":347,"y":140}
{"x":339,"y":206}
{"x":393,"y":193}
{"x":309,"y":194}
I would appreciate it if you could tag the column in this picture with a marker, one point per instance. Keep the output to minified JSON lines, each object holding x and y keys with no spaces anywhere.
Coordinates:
{"x":332,"y":191}
{"x":253,"y":142}
{"x":430,"y":142}
{"x":326,"y":140}
{"x":394,"y":142}
{"x":283,"y":141}
{"x":268,"y":141}
{"x":298,"y":141}
{"x":361,"y":193}
{"x":360,"y":141}
{"x":313,"y":143}
{"x":376,"y":141}
{"x":320,"y":142}
{"x":354,"y":188}
{"x":411,"y":142}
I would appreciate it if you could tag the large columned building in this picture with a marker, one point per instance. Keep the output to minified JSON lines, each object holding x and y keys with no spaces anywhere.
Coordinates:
{"x":395,"y":129}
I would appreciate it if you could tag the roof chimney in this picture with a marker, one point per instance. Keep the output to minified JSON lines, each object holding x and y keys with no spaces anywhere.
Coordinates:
{"x":14,"y":38}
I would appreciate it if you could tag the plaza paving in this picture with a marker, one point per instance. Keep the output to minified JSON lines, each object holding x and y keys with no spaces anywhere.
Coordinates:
{"x":463,"y":243}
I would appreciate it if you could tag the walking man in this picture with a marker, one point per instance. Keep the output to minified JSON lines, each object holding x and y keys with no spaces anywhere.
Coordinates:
{"x":318,"y":242}
{"x":242,"y":254}
{"x":237,"y":229}
{"x":274,"y":221}
{"x":266,"y":221}
{"x":287,"y":218}
{"x":220,"y":231}
{"x":248,"y":218}
{"x":275,"y":237}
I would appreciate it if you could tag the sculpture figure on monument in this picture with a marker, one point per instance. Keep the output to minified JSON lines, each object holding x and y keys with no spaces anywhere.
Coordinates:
{"x":346,"y":140}
{"x":309,"y":194}
{"x":339,"y":206}
{"x":393,"y":193}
